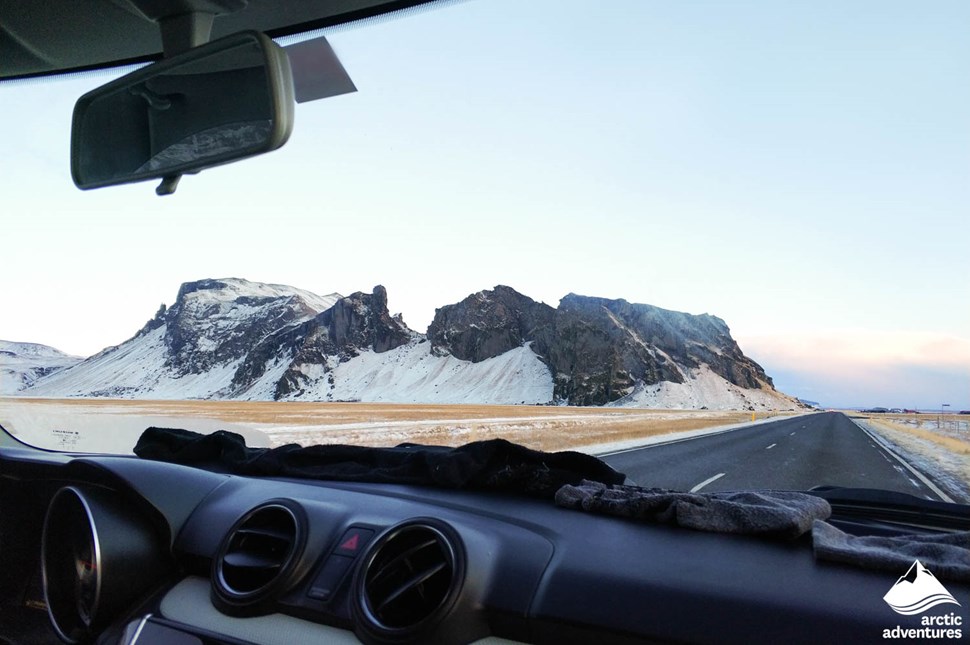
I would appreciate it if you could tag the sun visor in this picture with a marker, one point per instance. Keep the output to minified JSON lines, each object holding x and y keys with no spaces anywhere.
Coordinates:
{"x":317,"y":72}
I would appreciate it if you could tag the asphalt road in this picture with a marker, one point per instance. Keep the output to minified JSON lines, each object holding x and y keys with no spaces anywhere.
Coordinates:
{"x":799,"y":453}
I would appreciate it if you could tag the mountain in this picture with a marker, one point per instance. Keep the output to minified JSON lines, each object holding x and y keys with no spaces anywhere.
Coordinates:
{"x":600,"y":351}
{"x":235,"y":339}
{"x":23,"y":363}
{"x":194,"y":348}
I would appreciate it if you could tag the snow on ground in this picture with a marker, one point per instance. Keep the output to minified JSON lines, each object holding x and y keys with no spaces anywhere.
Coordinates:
{"x":11,"y":380}
{"x":264,"y":389}
{"x":386,"y":432}
{"x":704,"y":388}
{"x":134,"y":369}
{"x":953,"y":426}
{"x":590,"y":430}
{"x":946,"y":462}
{"x":412,"y":374}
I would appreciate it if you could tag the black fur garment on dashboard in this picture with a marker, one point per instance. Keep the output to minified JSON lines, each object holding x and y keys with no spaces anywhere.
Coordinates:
{"x":496,"y":464}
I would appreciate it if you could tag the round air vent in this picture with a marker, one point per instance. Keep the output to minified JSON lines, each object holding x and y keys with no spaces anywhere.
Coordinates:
{"x":408,"y":580}
{"x":259,"y":555}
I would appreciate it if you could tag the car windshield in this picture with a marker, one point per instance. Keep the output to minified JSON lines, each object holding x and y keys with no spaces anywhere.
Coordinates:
{"x":573,"y":225}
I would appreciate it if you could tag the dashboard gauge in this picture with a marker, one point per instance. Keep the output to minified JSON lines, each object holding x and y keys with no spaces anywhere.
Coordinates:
{"x":96,"y":558}
{"x":71,"y":564}
{"x":86,"y":580}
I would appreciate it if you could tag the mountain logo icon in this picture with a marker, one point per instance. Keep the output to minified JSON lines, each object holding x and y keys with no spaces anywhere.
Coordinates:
{"x":917,"y":591}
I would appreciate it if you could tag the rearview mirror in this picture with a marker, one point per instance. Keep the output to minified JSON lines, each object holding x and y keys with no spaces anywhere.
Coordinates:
{"x":221,"y":102}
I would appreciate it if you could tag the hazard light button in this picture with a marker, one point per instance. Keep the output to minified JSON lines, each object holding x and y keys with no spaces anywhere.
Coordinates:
{"x":353,"y":541}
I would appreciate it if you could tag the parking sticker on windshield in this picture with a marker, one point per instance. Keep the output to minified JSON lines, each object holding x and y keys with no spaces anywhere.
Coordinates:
{"x":915,"y":593}
{"x":65,"y":439}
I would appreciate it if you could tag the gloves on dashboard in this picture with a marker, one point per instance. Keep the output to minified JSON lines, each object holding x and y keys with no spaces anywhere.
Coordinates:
{"x":777,"y":513}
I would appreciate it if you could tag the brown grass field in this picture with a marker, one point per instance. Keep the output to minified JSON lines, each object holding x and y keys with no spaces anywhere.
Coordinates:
{"x":113,"y":425}
{"x":276,"y":423}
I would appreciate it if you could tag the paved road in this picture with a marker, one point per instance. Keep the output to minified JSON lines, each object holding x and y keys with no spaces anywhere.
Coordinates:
{"x":794,"y":454}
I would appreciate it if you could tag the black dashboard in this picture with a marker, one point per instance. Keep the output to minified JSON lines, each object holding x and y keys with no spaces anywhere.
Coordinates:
{"x":124,"y":550}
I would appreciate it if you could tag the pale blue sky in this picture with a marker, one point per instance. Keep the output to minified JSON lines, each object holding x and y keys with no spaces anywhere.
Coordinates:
{"x":800,"y":169}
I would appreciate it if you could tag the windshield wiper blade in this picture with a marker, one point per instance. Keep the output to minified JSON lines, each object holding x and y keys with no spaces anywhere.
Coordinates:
{"x":872,"y":506}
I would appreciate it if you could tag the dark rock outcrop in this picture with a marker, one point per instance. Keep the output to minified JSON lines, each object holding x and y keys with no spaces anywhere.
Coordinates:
{"x":675,"y":340}
{"x":597,"y":349}
{"x":362,"y":320}
{"x":208,"y":325}
{"x":358,"y":322}
{"x":489,"y":323}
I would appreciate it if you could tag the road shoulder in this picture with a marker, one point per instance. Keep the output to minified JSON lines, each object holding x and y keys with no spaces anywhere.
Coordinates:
{"x":948,"y":470}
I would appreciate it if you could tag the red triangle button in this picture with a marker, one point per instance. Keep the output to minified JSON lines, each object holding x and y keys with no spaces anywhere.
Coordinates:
{"x":352,"y":543}
{"x":353,"y":540}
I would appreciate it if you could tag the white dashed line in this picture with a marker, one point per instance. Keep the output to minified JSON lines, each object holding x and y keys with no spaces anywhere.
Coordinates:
{"x":706,"y":482}
{"x":771,"y":446}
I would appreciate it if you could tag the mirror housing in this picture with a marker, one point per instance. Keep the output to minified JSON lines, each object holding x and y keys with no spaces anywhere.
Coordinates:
{"x":214,"y":104}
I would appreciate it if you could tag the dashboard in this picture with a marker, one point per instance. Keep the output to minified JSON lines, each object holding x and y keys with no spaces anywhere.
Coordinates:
{"x":123,"y":550}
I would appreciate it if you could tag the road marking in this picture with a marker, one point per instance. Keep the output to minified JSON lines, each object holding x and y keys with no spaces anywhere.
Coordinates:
{"x":919,"y":475}
{"x":771,"y":446}
{"x":706,"y":482}
{"x":668,"y":443}
{"x":792,"y":434}
{"x":644,"y":446}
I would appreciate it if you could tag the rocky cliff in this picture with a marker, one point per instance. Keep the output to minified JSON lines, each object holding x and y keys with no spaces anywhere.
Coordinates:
{"x":235,"y":339}
{"x":359,"y":322}
{"x":598,"y":350}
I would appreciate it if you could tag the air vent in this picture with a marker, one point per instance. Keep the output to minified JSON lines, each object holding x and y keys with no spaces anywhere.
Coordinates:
{"x":259,"y":554}
{"x":409,"y":579}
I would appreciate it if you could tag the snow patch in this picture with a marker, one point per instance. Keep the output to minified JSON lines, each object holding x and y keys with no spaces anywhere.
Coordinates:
{"x":412,"y":374}
{"x":703,"y":388}
{"x":237,"y":287}
{"x":264,"y":389}
{"x":132,"y":370}
{"x":21,"y":364}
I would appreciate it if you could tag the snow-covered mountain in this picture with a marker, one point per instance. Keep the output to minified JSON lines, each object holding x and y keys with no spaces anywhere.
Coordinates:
{"x":234,"y":339}
{"x":23,"y":363}
{"x":194,"y":348}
